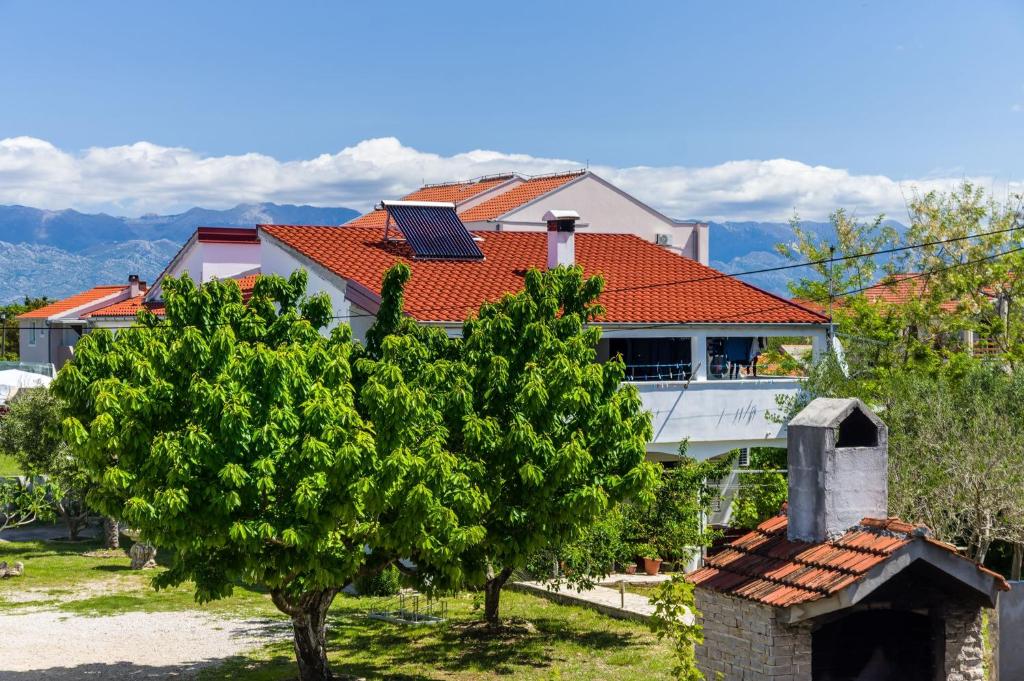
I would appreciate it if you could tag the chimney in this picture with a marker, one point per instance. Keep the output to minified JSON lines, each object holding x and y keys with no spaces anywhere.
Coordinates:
{"x":561,"y":237}
{"x":838,"y":454}
{"x":134,"y":285}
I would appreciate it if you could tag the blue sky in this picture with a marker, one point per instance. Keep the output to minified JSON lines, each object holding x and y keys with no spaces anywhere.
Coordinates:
{"x":906,"y":90}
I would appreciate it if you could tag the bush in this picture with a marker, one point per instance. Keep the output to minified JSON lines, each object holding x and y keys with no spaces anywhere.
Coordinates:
{"x":387,"y":582}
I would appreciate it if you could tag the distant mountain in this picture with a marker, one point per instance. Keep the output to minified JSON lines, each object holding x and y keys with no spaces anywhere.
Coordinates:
{"x":746,"y":246}
{"x":57,"y":253}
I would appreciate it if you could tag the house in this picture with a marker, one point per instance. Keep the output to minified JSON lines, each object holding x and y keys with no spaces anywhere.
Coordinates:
{"x":835,"y":589}
{"x":675,"y":321}
{"x":47,"y":335}
{"x":514,"y":202}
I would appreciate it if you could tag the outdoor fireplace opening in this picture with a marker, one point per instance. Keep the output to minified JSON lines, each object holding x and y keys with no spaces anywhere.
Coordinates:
{"x":875,"y":645}
{"x":857,"y":430}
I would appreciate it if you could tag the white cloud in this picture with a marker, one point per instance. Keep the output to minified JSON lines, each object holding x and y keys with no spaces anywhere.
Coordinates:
{"x":144,"y":177}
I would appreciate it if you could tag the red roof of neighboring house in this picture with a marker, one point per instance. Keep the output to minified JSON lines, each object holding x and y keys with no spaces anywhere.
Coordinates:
{"x":71,"y":302}
{"x":900,"y":289}
{"x":460,"y":192}
{"x":517,"y":196}
{"x":767,"y":567}
{"x":643,"y":282}
{"x":131,"y":306}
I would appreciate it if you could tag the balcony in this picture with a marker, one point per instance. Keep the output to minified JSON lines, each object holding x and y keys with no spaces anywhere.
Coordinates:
{"x":714,"y":416}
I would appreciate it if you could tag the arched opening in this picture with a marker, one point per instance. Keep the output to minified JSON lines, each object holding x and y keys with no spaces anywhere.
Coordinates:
{"x":875,"y":645}
{"x":857,"y":430}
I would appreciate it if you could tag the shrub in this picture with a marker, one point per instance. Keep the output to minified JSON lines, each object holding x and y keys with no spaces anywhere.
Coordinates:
{"x":387,"y":582}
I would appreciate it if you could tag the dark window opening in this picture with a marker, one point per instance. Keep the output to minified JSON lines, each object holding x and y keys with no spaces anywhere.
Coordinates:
{"x":653,"y":359}
{"x":733,"y":356}
{"x":857,"y":430}
{"x":875,"y":645}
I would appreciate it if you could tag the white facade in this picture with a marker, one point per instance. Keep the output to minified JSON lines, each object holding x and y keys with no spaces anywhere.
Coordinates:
{"x":603,"y":208}
{"x":713,"y":416}
{"x":204,"y":261}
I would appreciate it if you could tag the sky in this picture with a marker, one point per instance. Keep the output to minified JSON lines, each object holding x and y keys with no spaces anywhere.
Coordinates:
{"x":739,"y":110}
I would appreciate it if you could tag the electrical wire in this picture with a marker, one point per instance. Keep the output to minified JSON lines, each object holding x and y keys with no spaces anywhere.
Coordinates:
{"x":784,"y":304}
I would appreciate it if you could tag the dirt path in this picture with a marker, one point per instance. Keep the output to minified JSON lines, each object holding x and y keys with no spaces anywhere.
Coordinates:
{"x":140,"y":645}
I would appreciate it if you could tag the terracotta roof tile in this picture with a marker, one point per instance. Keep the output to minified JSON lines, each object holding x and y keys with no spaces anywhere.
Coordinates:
{"x":452,"y":192}
{"x":644,"y":283}
{"x":132,"y":306}
{"x":71,"y":302}
{"x":765,"y":566}
{"x":517,"y":196}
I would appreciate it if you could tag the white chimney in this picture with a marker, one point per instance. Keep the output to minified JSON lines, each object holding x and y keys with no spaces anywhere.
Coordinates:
{"x":134,"y":287}
{"x":561,"y":237}
{"x":838,"y":468}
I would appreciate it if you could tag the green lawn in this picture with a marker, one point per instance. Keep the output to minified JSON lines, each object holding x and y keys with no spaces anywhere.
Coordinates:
{"x":8,"y":466}
{"x":569,"y":642}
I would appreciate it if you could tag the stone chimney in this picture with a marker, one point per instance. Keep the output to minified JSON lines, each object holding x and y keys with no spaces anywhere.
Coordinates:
{"x":134,"y":285}
{"x":838,"y":468}
{"x":561,"y":237}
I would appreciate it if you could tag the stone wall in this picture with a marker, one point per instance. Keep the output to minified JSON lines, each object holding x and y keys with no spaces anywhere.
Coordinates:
{"x":965,"y":649}
{"x":745,"y":641}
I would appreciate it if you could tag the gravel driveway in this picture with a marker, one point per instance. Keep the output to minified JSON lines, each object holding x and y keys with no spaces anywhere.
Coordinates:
{"x":140,"y":645}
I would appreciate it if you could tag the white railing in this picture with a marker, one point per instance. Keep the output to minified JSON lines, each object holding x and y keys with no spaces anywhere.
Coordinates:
{"x":715,"y":416}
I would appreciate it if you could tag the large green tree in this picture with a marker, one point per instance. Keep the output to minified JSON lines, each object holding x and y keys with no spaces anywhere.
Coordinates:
{"x":556,"y":437}
{"x":233,"y":436}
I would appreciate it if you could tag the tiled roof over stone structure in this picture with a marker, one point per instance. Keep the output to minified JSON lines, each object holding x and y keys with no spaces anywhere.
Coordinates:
{"x":765,"y":566}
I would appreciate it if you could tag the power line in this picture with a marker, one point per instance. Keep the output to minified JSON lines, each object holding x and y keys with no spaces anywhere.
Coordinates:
{"x":721,"y":275}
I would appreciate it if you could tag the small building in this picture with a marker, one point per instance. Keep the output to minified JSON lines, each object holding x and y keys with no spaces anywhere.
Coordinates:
{"x":833,"y":589}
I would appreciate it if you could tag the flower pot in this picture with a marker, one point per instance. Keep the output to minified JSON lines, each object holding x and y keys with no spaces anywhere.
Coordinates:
{"x":652,"y":565}
{"x":631,"y":569}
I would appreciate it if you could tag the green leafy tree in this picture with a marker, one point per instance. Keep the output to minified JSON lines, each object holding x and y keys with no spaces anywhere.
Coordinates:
{"x":9,"y":324}
{"x":672,"y":524}
{"x":31,"y":432}
{"x":233,"y":436}
{"x":554,"y":437}
{"x":761,"y":494}
{"x":21,"y":504}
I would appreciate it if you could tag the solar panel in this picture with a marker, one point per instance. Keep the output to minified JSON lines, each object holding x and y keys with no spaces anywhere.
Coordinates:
{"x":433,"y":230}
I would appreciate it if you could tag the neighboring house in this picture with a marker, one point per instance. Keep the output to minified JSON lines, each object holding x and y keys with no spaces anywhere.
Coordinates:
{"x":670,"y":317}
{"x":834,"y":588}
{"x":513,"y":202}
{"x":48,"y":334}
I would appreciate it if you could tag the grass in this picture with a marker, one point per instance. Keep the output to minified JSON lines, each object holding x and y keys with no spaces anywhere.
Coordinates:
{"x":569,"y":642}
{"x":8,"y":466}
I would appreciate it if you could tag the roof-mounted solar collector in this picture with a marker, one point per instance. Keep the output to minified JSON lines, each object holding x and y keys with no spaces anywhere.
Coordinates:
{"x":432,"y":229}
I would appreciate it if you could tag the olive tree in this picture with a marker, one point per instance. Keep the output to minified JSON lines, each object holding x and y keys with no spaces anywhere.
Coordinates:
{"x":233,"y":435}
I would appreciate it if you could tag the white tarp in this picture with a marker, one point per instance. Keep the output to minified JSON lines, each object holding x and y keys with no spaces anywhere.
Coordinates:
{"x":11,"y":380}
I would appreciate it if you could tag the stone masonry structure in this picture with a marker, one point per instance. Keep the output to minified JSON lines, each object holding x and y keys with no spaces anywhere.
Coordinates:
{"x":812,"y":595}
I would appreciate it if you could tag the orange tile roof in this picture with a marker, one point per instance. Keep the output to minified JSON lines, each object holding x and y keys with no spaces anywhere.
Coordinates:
{"x":71,"y":302}
{"x":451,"y":192}
{"x":765,"y":566}
{"x":900,"y":289}
{"x":131,"y":306}
{"x":644,"y":283}
{"x":517,"y":196}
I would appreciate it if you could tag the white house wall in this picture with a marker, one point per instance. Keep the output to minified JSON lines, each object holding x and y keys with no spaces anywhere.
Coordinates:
{"x":276,"y":259}
{"x":605,"y":210}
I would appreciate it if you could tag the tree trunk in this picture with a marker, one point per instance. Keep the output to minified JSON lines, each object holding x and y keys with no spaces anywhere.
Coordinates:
{"x":492,"y":596}
{"x":1018,"y":556}
{"x":309,"y":626}
{"x":111,"y":534}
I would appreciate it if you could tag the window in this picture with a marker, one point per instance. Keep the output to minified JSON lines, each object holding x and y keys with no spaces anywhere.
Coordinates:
{"x":653,"y":359}
{"x":32,"y":335}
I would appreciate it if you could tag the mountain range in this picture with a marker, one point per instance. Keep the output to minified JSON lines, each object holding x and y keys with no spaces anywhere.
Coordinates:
{"x":57,"y":253}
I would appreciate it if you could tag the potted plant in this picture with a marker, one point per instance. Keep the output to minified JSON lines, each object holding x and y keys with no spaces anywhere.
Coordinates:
{"x":652,"y":560}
